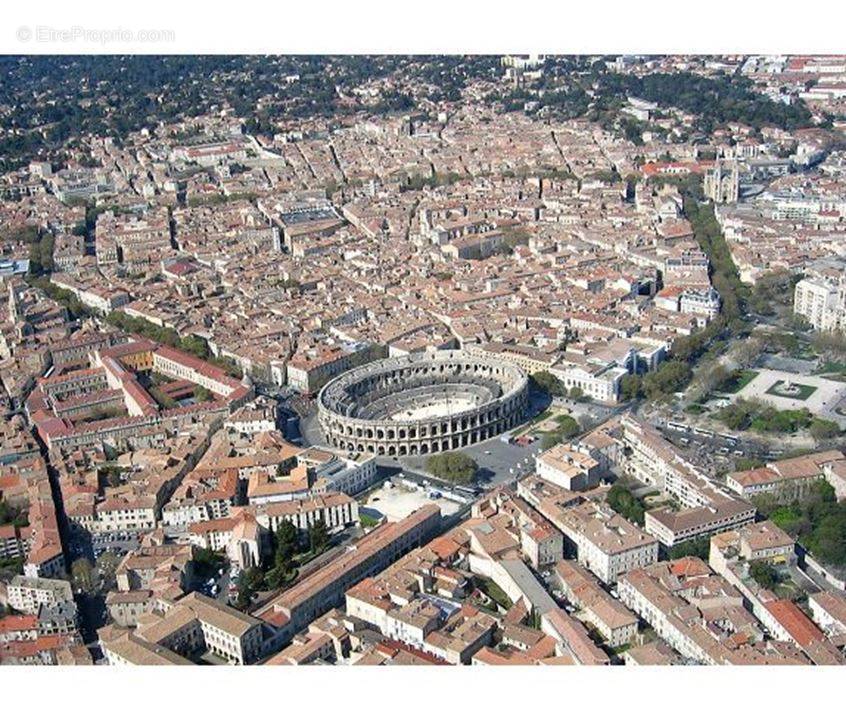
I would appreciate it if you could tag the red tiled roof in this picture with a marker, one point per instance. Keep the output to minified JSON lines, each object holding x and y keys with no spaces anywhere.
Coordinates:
{"x":794,"y":621}
{"x":17,"y":623}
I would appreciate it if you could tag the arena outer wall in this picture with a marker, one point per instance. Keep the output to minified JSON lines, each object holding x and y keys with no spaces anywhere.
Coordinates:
{"x":424,"y":375}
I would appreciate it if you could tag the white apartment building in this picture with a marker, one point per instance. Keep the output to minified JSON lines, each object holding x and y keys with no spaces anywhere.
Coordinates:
{"x":242,"y":537}
{"x":312,"y":367}
{"x":14,"y":542}
{"x":607,"y":614}
{"x":828,"y":610}
{"x":28,"y":594}
{"x":700,"y":302}
{"x":541,"y":545}
{"x":822,"y":302}
{"x":411,"y":623}
{"x":47,"y":562}
{"x":126,"y":607}
{"x":336,"y":471}
{"x":362,"y":607}
{"x":336,"y":510}
{"x":601,"y":383}
{"x":610,"y":555}
{"x":187,"y":513}
{"x":672,"y":528}
{"x":178,"y":365}
{"x":121,"y":649}
{"x":789,"y":478}
{"x":121,"y":517}
{"x":250,"y":421}
{"x":653,"y":460}
{"x":607,"y":544}
{"x":530,"y":359}
{"x":656,"y":608}
{"x":613,"y":621}
{"x":665,"y":596}
{"x":567,"y":466}
{"x":104,"y":300}
{"x":197,"y":621}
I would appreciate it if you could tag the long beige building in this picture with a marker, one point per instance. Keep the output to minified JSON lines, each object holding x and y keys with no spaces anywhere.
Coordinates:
{"x":292,"y":610}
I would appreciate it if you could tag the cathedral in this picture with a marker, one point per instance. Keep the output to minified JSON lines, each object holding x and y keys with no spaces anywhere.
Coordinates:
{"x":722,"y":183}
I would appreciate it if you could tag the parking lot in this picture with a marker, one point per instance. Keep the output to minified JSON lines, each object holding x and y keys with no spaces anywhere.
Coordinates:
{"x":118,"y":543}
{"x":499,"y":461}
{"x":398,"y":502}
{"x":714,"y":453}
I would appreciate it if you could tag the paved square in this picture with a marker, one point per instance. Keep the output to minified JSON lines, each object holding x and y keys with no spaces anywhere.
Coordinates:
{"x":820,"y":396}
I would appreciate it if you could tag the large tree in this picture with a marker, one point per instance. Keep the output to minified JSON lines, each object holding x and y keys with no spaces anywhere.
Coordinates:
{"x":452,"y":466}
{"x":287,"y":544}
{"x":318,"y":536}
{"x":82,"y":575}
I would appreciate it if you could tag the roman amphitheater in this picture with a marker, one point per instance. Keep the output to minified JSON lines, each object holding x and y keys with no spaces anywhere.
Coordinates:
{"x":422,"y":403}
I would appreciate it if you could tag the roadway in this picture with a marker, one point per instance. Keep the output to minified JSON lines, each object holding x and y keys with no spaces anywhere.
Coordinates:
{"x":499,"y":461}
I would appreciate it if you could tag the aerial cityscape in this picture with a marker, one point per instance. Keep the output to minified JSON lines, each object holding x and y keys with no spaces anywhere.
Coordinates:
{"x":483,"y":360}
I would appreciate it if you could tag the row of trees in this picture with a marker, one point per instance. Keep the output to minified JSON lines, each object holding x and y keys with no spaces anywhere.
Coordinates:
{"x":830,"y":345}
{"x":64,"y":297}
{"x":9,"y":567}
{"x":724,"y":275}
{"x":191,"y":344}
{"x":676,"y":373}
{"x":669,"y":377}
{"x":98,"y":578}
{"x":764,"y":574}
{"x":773,"y":291}
{"x":418,"y":181}
{"x":698,"y":547}
{"x":291,"y":549}
{"x":289,"y":543}
{"x":41,"y":254}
